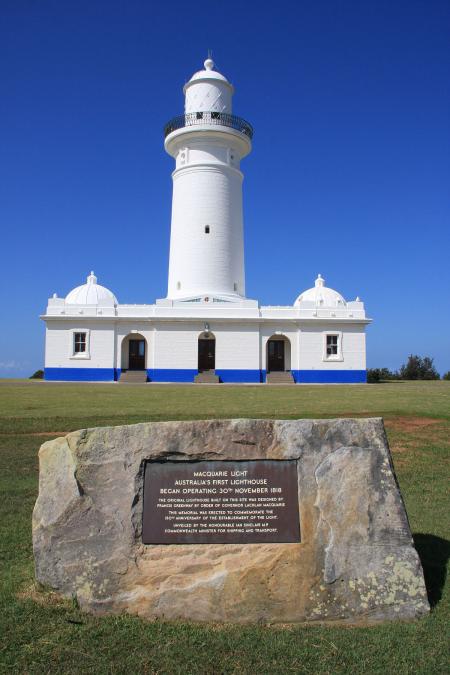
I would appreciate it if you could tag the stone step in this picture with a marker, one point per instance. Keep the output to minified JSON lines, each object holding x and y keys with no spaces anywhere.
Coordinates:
{"x":207,"y":377}
{"x":280,"y":378}
{"x":133,"y":376}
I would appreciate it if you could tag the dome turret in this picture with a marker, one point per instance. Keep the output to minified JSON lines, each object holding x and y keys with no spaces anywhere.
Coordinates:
{"x":320,"y":295}
{"x":208,"y":91}
{"x":91,"y":293}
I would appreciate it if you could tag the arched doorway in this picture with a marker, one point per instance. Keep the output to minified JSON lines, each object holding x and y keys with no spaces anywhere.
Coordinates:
{"x":206,"y":352}
{"x":134,"y":352}
{"x":278,"y":356}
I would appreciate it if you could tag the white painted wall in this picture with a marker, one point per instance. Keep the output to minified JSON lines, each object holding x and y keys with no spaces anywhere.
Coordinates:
{"x":237,"y":346}
{"x":174,"y":344}
{"x":311,"y":351}
{"x":59,"y":344}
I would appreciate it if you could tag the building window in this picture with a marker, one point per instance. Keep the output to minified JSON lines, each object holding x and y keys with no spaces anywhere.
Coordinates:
{"x":332,"y":345}
{"x":206,"y":229}
{"x":79,"y":343}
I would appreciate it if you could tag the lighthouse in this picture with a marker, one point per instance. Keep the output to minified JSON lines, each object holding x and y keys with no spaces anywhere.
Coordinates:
{"x":208,"y":143}
{"x":206,"y":330}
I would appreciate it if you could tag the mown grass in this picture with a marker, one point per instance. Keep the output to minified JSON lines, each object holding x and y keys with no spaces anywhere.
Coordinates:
{"x":41,"y":634}
{"x":39,"y":406}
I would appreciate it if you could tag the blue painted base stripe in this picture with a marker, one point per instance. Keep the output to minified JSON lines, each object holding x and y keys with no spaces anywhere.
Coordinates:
{"x":226,"y":375}
{"x":188,"y":375}
{"x":330,"y":376}
{"x":80,"y":374}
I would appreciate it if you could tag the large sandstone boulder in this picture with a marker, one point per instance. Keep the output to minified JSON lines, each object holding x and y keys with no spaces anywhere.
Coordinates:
{"x":355,"y":561}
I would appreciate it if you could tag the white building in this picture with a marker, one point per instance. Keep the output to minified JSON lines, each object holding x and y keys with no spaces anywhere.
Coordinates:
{"x":206,"y":325}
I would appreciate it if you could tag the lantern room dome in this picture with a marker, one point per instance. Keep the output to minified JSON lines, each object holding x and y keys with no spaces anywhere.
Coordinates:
{"x":91,"y":293}
{"x":321,"y":295}
{"x":208,"y":73}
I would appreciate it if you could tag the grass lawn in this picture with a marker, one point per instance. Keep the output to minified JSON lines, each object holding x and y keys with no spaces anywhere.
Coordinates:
{"x":40,"y":633}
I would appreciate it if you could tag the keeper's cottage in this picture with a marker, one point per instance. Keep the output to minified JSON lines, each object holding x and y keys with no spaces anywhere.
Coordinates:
{"x":206,"y":329}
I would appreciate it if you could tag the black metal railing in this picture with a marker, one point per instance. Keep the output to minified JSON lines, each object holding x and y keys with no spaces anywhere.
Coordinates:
{"x":217,"y":118}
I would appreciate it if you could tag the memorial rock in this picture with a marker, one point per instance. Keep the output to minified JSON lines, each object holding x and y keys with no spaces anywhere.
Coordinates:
{"x":228,"y":520}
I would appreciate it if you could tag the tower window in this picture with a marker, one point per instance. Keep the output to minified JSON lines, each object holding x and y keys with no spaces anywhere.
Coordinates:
{"x":199,"y":115}
{"x":79,"y":343}
{"x":178,"y":285}
{"x":206,"y":229}
{"x":235,"y":286}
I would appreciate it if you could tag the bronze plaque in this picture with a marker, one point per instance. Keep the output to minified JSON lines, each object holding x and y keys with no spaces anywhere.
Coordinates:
{"x":221,"y":502}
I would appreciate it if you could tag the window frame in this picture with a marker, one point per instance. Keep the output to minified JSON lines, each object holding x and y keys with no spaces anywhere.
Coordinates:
{"x":80,"y":355}
{"x":332,"y":357}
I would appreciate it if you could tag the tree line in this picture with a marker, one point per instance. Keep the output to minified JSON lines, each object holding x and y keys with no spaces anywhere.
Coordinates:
{"x":416,"y":368}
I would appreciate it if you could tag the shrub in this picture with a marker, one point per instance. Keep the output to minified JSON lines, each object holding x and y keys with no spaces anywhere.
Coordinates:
{"x":373,"y":375}
{"x":418,"y":368}
{"x":38,"y":375}
{"x":381,"y":374}
{"x":446,"y":376}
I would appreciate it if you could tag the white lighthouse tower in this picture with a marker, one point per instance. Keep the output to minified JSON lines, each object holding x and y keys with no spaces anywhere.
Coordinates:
{"x":207,"y":143}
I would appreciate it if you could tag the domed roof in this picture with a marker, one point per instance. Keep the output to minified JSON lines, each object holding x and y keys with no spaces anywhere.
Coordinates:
{"x":208,"y":74}
{"x":321,"y":295}
{"x":91,"y":293}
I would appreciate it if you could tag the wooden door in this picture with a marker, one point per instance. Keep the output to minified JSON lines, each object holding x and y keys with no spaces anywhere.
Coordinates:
{"x":275,"y":355}
{"x":206,"y":354}
{"x":136,"y":355}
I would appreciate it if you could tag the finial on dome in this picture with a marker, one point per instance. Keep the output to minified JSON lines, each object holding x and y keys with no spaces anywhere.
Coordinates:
{"x":209,"y":63}
{"x":92,"y":279}
{"x":319,"y":281}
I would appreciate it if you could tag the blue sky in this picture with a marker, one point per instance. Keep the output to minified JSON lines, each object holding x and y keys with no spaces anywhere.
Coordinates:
{"x":349,"y":174}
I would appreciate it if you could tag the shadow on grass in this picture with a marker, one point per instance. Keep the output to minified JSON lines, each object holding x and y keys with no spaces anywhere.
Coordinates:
{"x":434,"y":553}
